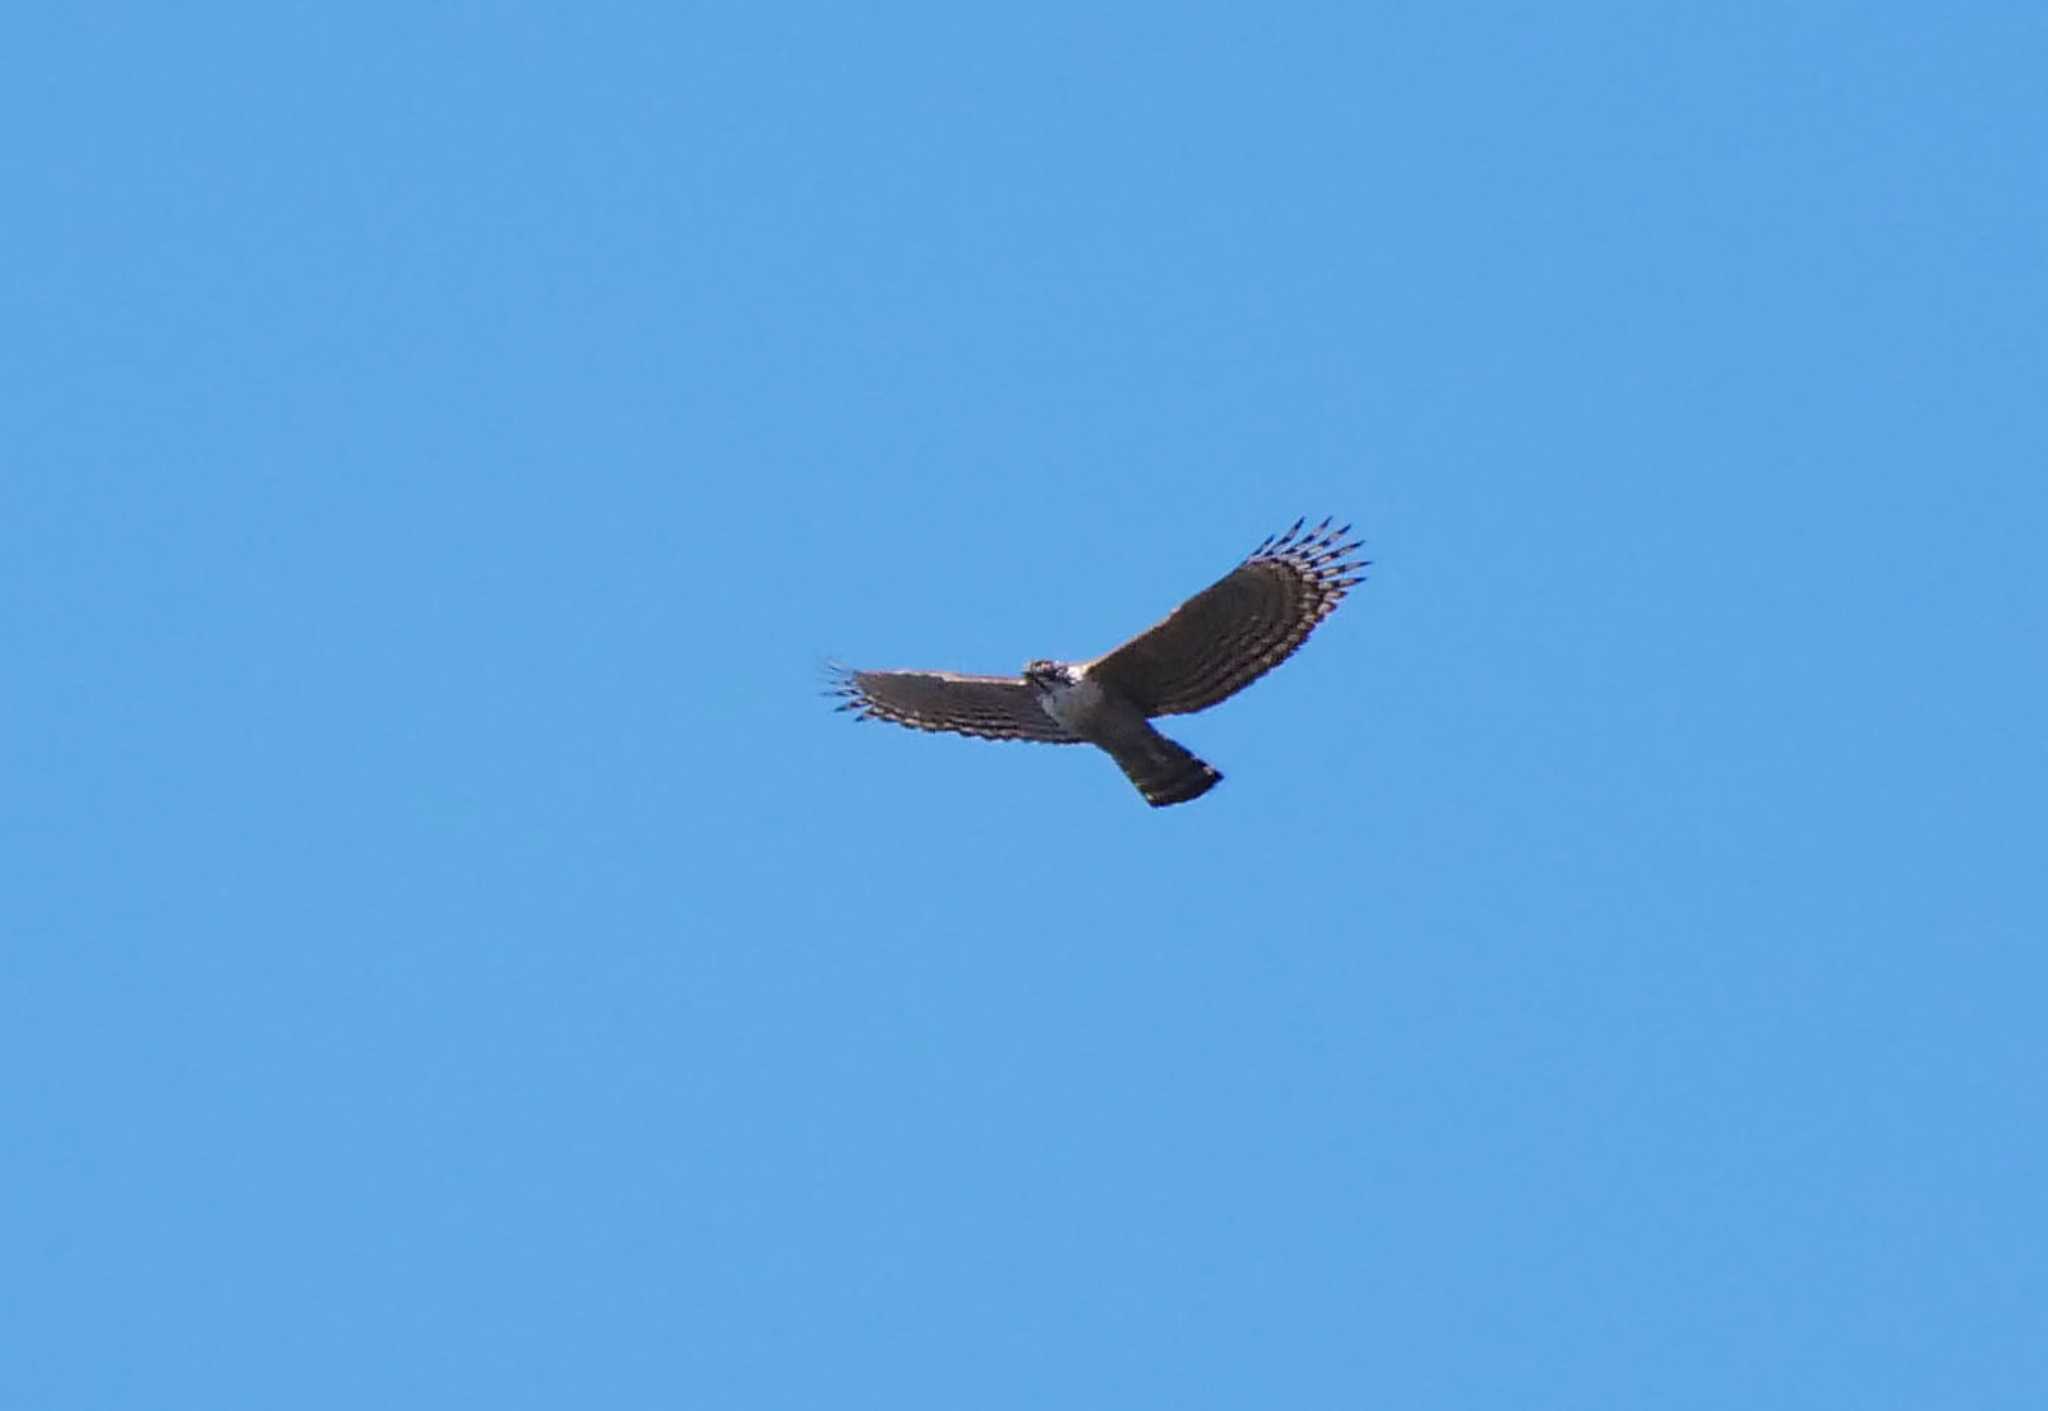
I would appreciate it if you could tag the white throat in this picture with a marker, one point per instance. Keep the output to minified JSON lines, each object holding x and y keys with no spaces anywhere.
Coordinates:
{"x":1073,"y":702}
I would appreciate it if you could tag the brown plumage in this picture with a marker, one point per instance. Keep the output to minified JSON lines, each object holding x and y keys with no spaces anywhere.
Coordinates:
{"x":987,"y":707}
{"x":1209,"y":648}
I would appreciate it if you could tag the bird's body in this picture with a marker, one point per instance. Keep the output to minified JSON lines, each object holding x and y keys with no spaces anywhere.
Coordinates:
{"x":1085,"y":708}
{"x":1209,"y":648}
{"x":1068,"y":694}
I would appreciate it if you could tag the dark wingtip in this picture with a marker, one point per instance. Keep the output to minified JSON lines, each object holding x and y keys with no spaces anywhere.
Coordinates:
{"x":841,"y":686}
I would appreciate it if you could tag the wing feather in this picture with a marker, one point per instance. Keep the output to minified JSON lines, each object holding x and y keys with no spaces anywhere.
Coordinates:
{"x":986,"y":707}
{"x":1240,"y":627}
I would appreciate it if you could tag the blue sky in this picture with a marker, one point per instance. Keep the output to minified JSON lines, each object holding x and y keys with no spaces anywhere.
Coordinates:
{"x":452,"y":955}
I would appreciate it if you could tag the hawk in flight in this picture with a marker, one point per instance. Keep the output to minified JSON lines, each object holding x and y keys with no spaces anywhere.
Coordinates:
{"x":1211,"y":647}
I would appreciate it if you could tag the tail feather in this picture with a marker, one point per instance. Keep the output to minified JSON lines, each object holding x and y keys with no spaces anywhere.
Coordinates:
{"x":1165,"y":772}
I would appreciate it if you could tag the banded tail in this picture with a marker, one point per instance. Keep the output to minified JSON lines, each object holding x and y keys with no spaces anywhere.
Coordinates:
{"x":1165,"y":772}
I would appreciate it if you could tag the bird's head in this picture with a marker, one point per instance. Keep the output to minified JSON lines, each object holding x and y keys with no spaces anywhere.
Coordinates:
{"x":1046,"y":675}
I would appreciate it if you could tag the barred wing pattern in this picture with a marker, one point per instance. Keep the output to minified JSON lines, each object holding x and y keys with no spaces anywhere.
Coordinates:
{"x":1239,"y":628}
{"x":989,"y":707}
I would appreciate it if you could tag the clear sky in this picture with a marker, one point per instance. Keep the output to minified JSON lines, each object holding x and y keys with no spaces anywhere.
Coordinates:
{"x":453,"y":956}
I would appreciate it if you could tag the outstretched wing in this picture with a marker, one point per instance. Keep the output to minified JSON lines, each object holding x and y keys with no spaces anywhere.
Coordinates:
{"x":1239,"y":628}
{"x":989,"y":707}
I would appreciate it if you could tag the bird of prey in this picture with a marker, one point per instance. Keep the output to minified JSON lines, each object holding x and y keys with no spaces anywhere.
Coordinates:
{"x":1210,"y":647}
